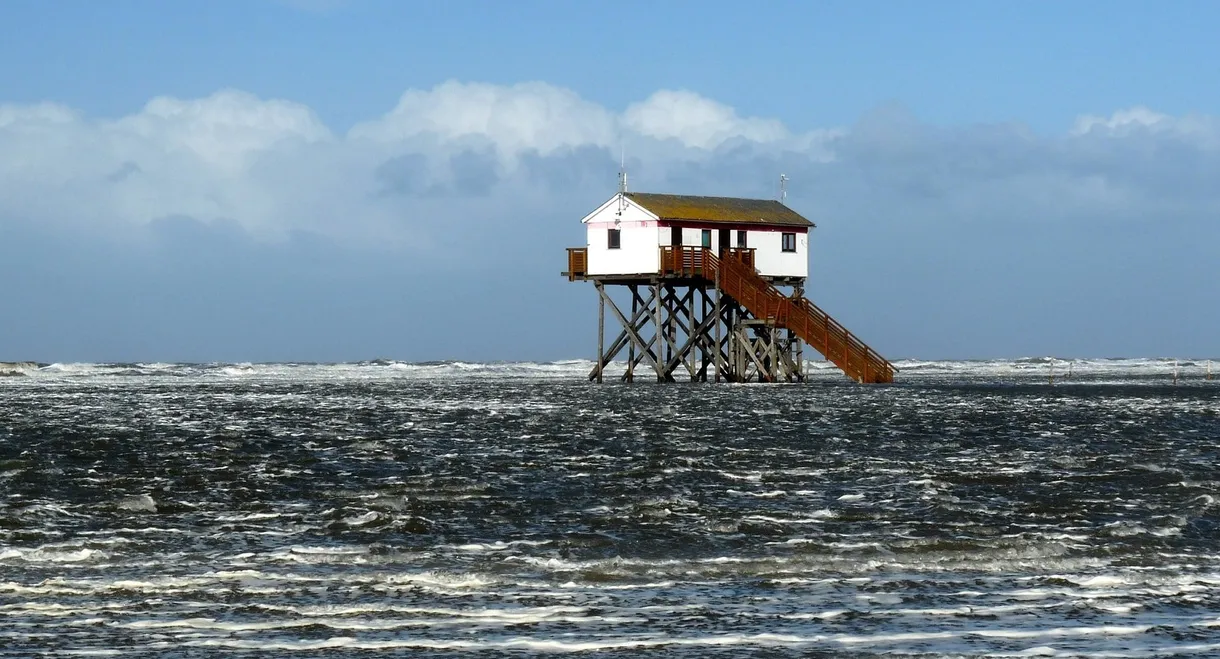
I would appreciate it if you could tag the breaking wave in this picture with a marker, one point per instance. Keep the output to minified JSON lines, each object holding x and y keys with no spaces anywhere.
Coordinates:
{"x":1062,"y":370}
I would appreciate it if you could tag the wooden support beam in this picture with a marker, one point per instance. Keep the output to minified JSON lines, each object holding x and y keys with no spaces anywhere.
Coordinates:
{"x":629,"y":376}
{"x":691,"y":341}
{"x":680,"y":308}
{"x":657,"y":324}
{"x":670,"y":347}
{"x":768,"y":349}
{"x":719,"y":321}
{"x":632,"y":334}
{"x":757,"y":348}
{"x":638,"y":320}
{"x":705,"y":305}
{"x":639,"y":358}
{"x":601,"y":332}
{"x":644,"y":311}
{"x":693,"y":323}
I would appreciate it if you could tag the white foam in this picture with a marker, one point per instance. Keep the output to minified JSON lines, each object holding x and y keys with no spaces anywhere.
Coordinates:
{"x":1102,"y":630}
{"x":769,"y":494}
{"x":58,"y":554}
{"x":141,"y":503}
{"x":1094,"y":371}
{"x":817,"y":517}
{"x":527,"y":644}
{"x":1102,"y":581}
{"x":252,"y":517}
{"x":361,"y":520}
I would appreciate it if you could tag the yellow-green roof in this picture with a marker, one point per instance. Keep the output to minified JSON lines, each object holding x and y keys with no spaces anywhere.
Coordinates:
{"x":718,"y":209}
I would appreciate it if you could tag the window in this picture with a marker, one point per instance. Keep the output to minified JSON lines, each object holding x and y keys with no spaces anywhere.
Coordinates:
{"x":615,"y":238}
{"x":789,"y":242}
{"x":741,"y":240}
{"x":707,"y":238}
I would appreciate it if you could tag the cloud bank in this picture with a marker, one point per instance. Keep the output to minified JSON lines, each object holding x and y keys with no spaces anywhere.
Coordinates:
{"x":981,"y":229}
{"x":272,"y":168}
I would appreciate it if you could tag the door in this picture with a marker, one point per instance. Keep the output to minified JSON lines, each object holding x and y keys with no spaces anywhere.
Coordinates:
{"x":724,"y":241}
{"x":675,"y":236}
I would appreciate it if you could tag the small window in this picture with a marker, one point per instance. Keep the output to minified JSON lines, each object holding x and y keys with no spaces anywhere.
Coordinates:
{"x":615,"y":238}
{"x":741,"y":240}
{"x":789,"y":242}
{"x":707,"y":238}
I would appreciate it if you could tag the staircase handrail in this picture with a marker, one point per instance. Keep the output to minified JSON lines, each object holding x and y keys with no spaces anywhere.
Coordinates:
{"x":741,"y":281}
{"x":777,"y":306}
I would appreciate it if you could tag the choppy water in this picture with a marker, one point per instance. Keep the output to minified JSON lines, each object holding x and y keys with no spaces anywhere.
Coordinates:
{"x":377,"y":509}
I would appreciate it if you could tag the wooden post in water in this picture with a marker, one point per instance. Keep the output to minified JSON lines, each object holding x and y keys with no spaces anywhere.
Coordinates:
{"x":716,"y":354}
{"x":635,"y":308}
{"x":660,"y":333}
{"x":601,"y":333}
{"x":1209,"y":369}
{"x":1175,"y":372}
{"x":1052,"y":376}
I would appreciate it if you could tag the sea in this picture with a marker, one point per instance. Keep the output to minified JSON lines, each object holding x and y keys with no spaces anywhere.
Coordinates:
{"x":1013,"y":508}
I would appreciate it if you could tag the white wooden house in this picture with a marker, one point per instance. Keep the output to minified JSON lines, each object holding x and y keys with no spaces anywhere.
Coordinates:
{"x":625,"y":234}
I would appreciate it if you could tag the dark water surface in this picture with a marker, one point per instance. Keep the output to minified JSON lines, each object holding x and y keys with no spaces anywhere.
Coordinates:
{"x":185,"y":512}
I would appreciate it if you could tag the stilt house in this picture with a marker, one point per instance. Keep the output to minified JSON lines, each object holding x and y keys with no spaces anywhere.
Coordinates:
{"x":704,"y":276}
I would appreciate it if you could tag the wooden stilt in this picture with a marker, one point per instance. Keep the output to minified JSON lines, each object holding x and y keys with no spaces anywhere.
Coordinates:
{"x":639,"y":319}
{"x":635,"y":309}
{"x":798,"y":291}
{"x":632,"y":333}
{"x":717,"y":355}
{"x":659,"y":330}
{"x":691,"y":325}
{"x":601,"y":333}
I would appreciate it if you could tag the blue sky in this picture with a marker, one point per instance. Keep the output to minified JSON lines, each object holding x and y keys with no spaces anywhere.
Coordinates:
{"x":311,"y":179}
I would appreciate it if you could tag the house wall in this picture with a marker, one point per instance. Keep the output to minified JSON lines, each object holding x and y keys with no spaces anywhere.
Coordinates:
{"x":771,"y":261}
{"x":639,"y":251}
{"x":769,"y":258}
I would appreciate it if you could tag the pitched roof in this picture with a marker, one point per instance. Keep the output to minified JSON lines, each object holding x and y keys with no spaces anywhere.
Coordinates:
{"x":718,"y":209}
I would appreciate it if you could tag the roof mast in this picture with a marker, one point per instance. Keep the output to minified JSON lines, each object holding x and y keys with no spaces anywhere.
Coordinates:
{"x":622,"y":183}
{"x":622,"y":169}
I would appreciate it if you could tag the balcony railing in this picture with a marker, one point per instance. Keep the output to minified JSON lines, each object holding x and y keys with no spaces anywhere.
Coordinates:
{"x":685,"y":261}
{"x":578,"y":263}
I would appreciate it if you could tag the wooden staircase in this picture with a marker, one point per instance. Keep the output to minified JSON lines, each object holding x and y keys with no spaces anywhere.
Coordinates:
{"x":734,"y":275}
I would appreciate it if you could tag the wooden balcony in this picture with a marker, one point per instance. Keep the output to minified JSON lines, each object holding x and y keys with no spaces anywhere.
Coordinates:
{"x":676,"y":261}
{"x":682,"y":261}
{"x":578,"y":263}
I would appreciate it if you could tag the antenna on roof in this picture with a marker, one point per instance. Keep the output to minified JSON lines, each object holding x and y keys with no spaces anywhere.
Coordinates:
{"x":622,"y":183}
{"x":783,"y":188}
{"x":622,"y":170}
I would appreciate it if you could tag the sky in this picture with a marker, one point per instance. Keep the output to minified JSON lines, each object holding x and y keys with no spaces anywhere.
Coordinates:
{"x":334,"y":180}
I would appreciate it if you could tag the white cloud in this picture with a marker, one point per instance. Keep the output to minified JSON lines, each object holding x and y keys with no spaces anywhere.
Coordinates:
{"x":224,"y":131}
{"x":1203,"y":131}
{"x":697,"y":121}
{"x":526,"y":116}
{"x":1121,"y":121}
{"x":174,"y":157}
{"x":33,"y":116}
{"x":461,"y":154}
